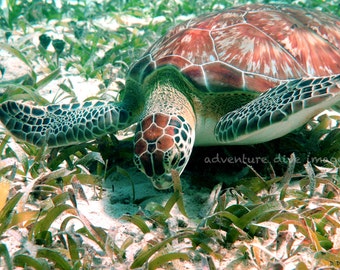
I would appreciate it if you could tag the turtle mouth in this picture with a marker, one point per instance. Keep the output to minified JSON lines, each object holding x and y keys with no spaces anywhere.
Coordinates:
{"x":162,"y":182}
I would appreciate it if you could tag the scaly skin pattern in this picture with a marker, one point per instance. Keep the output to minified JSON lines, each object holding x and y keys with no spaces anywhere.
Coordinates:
{"x":59,"y":125}
{"x":162,"y":142}
{"x":289,"y":105}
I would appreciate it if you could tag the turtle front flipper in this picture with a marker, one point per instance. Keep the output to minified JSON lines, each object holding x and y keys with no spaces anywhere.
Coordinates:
{"x":279,"y":111}
{"x":58,"y":125}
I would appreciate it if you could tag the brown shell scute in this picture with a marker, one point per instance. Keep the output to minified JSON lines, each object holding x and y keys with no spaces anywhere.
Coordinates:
{"x":251,"y":47}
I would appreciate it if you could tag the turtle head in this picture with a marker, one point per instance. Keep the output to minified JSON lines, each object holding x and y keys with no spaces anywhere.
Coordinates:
{"x":162,"y":143}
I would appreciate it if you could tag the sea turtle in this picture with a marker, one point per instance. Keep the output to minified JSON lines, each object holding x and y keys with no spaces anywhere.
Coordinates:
{"x":244,"y":75}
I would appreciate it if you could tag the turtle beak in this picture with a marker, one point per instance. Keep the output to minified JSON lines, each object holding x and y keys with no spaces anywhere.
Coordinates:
{"x":162,"y":182}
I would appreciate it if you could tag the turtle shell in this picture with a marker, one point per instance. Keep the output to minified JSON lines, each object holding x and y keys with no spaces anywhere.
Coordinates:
{"x":251,"y":47}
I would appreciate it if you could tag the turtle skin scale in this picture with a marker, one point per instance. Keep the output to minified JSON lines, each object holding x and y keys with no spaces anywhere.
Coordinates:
{"x":243,"y":75}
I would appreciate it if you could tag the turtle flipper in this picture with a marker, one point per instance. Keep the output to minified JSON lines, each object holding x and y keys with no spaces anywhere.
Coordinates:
{"x":57,"y":125}
{"x":279,"y":110}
